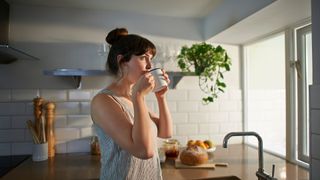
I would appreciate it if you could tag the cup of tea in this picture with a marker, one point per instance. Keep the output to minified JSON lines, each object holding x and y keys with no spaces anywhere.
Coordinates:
{"x":160,"y":81}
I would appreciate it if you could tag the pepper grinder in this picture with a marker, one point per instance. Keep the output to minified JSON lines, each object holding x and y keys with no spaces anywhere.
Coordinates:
{"x":49,"y":116}
{"x":37,"y":111}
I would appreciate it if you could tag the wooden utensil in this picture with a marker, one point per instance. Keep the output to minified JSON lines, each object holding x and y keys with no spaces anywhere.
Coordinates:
{"x":50,"y":136}
{"x":33,"y":132}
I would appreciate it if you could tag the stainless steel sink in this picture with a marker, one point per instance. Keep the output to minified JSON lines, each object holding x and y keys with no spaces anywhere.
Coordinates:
{"x":222,"y":178}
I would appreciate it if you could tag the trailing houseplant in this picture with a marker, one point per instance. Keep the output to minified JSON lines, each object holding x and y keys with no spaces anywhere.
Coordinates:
{"x":209,"y":63}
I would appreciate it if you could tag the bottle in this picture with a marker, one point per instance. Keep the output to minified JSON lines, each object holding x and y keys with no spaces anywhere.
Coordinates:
{"x":94,"y":144}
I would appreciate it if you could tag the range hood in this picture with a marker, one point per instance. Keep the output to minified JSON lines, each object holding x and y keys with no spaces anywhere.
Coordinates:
{"x":9,"y":54}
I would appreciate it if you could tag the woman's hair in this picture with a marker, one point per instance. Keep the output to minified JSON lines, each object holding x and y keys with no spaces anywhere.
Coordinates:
{"x":126,"y":45}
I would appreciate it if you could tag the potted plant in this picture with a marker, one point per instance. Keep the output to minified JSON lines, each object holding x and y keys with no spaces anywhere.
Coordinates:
{"x":209,"y":63}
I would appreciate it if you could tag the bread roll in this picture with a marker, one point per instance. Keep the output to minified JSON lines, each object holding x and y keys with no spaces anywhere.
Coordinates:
{"x":193,"y":155}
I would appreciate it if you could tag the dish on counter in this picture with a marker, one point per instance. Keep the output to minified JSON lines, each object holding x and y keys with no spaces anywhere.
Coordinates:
{"x":211,"y":149}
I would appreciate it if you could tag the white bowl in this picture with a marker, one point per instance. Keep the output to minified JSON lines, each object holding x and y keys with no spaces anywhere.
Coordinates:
{"x":211,"y":149}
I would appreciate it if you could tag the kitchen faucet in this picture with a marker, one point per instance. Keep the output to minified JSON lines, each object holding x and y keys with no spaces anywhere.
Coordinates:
{"x":260,"y":173}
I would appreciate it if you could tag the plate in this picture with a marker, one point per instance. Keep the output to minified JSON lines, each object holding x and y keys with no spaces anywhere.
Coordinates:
{"x":211,"y":149}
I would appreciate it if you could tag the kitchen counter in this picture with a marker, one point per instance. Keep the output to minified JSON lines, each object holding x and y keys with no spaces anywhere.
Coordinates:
{"x":243,"y":163}
{"x":242,"y":160}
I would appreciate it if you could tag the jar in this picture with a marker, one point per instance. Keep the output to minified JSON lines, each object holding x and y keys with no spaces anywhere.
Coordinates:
{"x":94,"y":144}
{"x":171,"y":148}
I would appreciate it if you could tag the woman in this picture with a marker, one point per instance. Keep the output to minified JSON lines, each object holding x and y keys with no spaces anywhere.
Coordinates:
{"x":126,"y":129}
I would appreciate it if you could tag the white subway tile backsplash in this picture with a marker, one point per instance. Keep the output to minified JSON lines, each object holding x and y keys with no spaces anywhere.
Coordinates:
{"x":212,"y":107}
{"x":188,"y":82}
{"x":29,"y":108}
{"x":79,"y":145}
{"x":174,"y":95}
{"x":5,"y":95}
{"x":79,"y":95}
{"x":187,"y":129}
{"x":79,"y":120}
{"x":172,"y":106}
{"x":67,"y":133}
{"x":235,"y":95}
{"x":85,"y":107}
{"x":12,"y":135}
{"x":195,"y":95}
{"x":61,"y":147}
{"x":179,"y":118}
{"x":228,"y":106}
{"x":24,"y":94}
{"x":67,"y":108}
{"x":21,"y":148}
{"x":315,"y":121}
{"x":229,"y":127}
{"x":198,"y":117}
{"x":187,"y":106}
{"x":19,"y":122}
{"x":208,"y":128}
{"x":218,"y":117}
{"x":60,"y":121}
{"x":235,"y":117}
{"x":191,"y":119}
{"x":5,"y":149}
{"x":5,"y":122}
{"x":315,"y":100}
{"x":12,"y":109}
{"x":315,"y":173}
{"x":315,"y":141}
{"x":54,"y":94}
{"x":87,"y":132}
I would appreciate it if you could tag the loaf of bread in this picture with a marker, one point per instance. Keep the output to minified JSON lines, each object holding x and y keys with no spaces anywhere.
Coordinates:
{"x":193,"y":155}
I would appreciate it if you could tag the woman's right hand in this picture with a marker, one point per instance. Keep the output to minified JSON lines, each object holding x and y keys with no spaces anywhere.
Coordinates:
{"x":144,"y":85}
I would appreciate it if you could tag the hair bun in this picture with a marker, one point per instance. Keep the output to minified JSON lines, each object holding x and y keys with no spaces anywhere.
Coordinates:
{"x":114,"y":35}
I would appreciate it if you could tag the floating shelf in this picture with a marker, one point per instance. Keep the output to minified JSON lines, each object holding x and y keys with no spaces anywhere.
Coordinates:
{"x":76,"y":74}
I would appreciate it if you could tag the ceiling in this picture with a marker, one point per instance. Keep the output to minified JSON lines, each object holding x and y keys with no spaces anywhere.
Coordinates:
{"x":168,"y":8}
{"x":221,"y":21}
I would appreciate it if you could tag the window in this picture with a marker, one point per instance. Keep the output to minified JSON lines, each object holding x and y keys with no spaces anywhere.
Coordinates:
{"x":303,"y":79}
{"x":266,"y":92}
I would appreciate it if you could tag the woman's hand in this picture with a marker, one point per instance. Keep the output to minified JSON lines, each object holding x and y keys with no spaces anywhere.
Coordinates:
{"x":144,"y":85}
{"x":160,"y":94}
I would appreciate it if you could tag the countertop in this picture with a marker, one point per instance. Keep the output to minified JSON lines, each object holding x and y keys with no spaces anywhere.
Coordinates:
{"x":242,"y":160}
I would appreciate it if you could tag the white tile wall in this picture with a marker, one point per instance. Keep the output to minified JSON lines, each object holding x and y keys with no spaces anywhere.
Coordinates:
{"x":315,"y":131}
{"x":315,"y":121}
{"x":191,"y":119}
{"x":315,"y":169}
{"x":5,"y":122}
{"x":24,"y":94}
{"x":54,"y":95}
{"x":5,"y":95}
{"x":315,"y":141}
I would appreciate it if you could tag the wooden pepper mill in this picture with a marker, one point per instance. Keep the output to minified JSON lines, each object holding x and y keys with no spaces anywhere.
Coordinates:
{"x":49,"y":116}
{"x":37,"y":111}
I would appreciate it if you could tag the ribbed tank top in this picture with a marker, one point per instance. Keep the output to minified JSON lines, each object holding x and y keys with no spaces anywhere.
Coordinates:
{"x":117,"y":163}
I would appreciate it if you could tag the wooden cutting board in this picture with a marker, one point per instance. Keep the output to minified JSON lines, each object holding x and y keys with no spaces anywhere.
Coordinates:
{"x":208,"y":165}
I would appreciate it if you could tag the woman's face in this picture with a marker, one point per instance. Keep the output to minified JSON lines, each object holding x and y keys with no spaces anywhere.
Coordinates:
{"x":138,"y":65}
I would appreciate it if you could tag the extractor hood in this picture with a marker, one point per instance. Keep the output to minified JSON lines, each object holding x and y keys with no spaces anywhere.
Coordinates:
{"x":9,"y":54}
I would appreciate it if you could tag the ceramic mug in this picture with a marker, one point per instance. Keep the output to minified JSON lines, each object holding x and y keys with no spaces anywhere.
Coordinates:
{"x":159,"y":79}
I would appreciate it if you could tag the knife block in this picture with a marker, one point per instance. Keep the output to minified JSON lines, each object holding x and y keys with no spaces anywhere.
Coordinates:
{"x":49,"y":116}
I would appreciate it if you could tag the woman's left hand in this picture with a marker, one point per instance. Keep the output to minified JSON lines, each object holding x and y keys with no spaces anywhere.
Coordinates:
{"x":161,"y":93}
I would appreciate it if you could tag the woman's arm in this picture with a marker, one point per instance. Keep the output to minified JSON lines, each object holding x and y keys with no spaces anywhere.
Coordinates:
{"x":164,"y":121}
{"x":137,"y":138}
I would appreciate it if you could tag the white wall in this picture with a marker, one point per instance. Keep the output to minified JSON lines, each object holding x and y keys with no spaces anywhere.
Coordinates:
{"x":69,"y":38}
{"x":314,"y":94}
